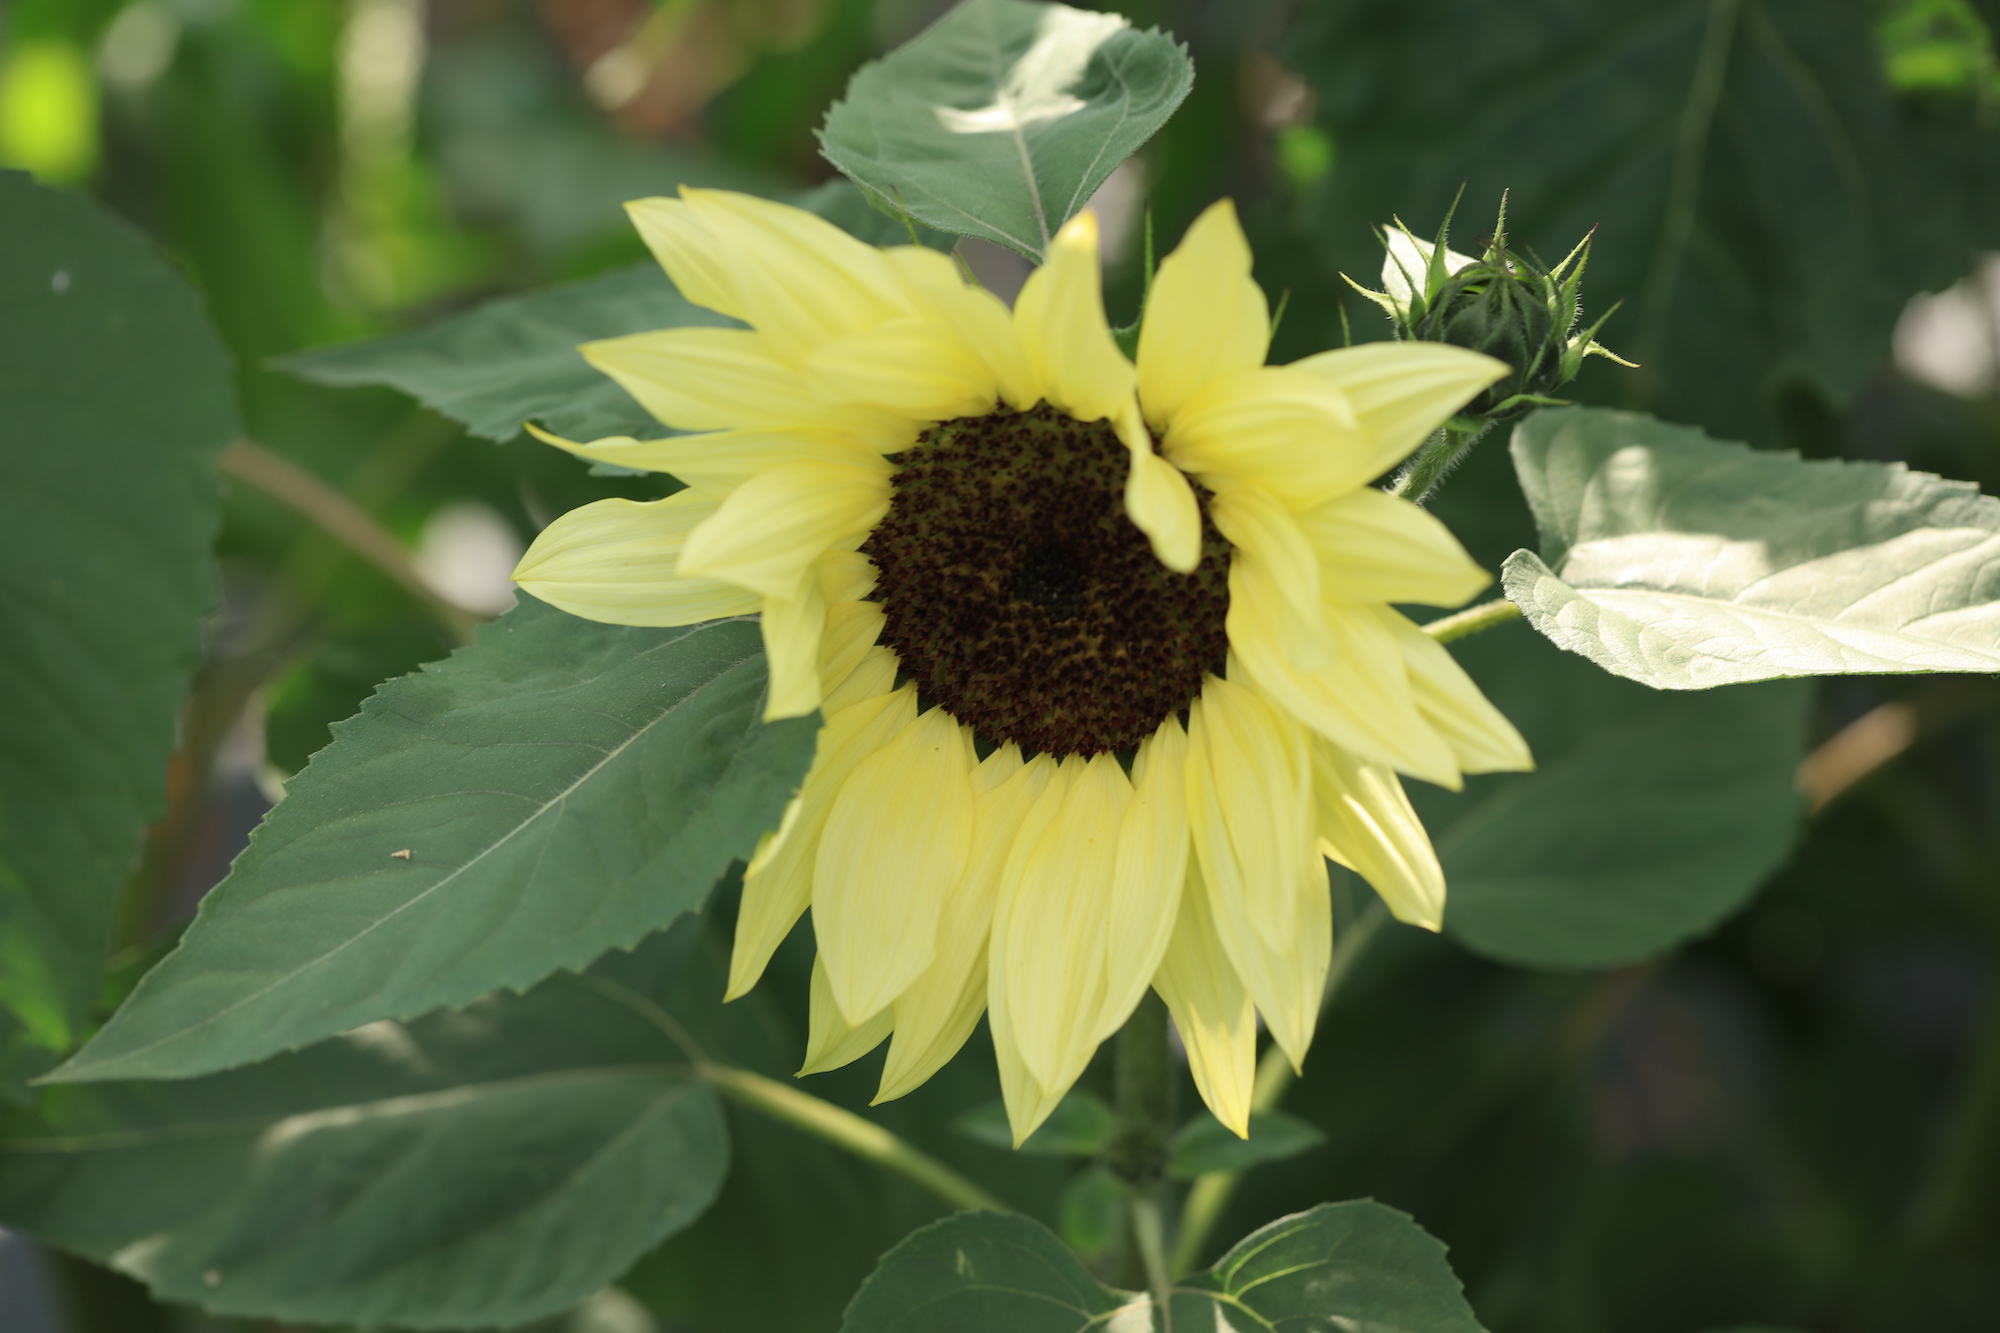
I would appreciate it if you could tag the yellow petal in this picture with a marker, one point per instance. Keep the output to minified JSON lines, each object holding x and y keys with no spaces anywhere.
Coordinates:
{"x":981,"y":319}
{"x":1361,"y":699}
{"x":1402,"y":391}
{"x":895,"y":844}
{"x":1049,"y":925}
{"x":690,"y":254}
{"x":617,"y":561}
{"x":1250,"y":808}
{"x":1059,"y":316}
{"x":1366,"y":824}
{"x":1152,"y":865}
{"x":918,"y":367}
{"x":1211,"y":1009}
{"x":873,"y":675}
{"x":793,"y":627}
{"x":1292,"y":433}
{"x":846,"y":576}
{"x":773,"y":527}
{"x":851,"y":631}
{"x":1158,"y":498}
{"x":1205,"y":315}
{"x":1374,"y":547}
{"x":1272,"y":547}
{"x":717,"y":462}
{"x":1028,"y":1102}
{"x":830,"y":1042}
{"x":939,"y":1011}
{"x":777,"y":885}
{"x":702,"y":379}
{"x":795,"y":277}
{"x":1479,"y":734}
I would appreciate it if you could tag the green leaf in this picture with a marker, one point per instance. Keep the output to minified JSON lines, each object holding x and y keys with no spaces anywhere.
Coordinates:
{"x":1685,"y":562}
{"x":515,"y":359}
{"x":556,"y":790}
{"x":1205,"y":1144}
{"x":1358,"y":1267}
{"x":1091,"y":1212}
{"x":1763,"y":204}
{"x":1649,"y":818}
{"x":985,"y":1273}
{"x":117,"y":401}
{"x":1077,"y":1127}
{"x":1003,"y":118}
{"x":488,"y":1166}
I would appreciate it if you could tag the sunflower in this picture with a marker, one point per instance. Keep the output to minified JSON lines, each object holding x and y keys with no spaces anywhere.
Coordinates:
{"x":1104,"y":652}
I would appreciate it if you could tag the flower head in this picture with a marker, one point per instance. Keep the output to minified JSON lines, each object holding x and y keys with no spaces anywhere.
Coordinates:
{"x":1104,"y":650}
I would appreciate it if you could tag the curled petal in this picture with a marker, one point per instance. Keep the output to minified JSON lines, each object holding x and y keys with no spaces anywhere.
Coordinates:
{"x":1060,"y":318}
{"x":1375,"y":547}
{"x":1366,"y":824}
{"x":1158,"y":499}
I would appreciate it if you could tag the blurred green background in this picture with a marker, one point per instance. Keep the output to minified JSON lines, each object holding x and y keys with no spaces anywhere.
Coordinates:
{"x":1794,"y":1122}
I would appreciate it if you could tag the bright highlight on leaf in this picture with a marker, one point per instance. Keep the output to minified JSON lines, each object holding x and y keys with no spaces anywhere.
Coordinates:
{"x":1686,"y":562}
{"x":1002,"y":119}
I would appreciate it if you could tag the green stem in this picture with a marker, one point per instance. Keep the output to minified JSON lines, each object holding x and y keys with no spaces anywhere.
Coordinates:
{"x":844,"y":1129}
{"x":801,"y":1110}
{"x":1212,"y":1192}
{"x":1439,"y":455}
{"x":1139,"y":1148}
{"x":1472,"y":620}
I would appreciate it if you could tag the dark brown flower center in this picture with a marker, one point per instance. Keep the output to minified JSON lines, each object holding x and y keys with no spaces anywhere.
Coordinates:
{"x":1021,"y":598}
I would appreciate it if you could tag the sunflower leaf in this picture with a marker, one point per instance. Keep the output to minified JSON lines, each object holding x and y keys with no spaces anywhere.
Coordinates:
{"x":559,"y":789}
{"x":1685,"y":562}
{"x":1355,"y":1265}
{"x":484,"y":1167}
{"x":1003,"y":118}
{"x":1204,"y":1144}
{"x":105,"y":572}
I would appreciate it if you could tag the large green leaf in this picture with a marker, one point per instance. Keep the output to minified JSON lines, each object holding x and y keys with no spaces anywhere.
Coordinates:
{"x":515,"y":359}
{"x":1686,"y":562}
{"x":1004,"y":117}
{"x":556,"y":790}
{"x":1649,"y":818}
{"x":1357,"y":1267}
{"x":1764,"y":204}
{"x":116,"y":401}
{"x":488,"y":1166}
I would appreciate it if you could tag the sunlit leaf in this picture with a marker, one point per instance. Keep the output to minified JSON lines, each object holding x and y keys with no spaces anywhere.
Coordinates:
{"x":1685,"y":562}
{"x":483,"y":1167}
{"x":1004,"y":117}
{"x":556,"y":790}
{"x":116,"y":400}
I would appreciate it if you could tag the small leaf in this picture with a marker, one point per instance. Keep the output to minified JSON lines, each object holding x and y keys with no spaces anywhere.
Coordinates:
{"x":1003,"y":118}
{"x":489,"y":1166}
{"x":563,"y":788}
{"x":1685,"y":562}
{"x":1205,"y":1144}
{"x":1649,"y":818}
{"x":987,"y":1273}
{"x":515,"y":359}
{"x":1077,"y":1127}
{"x":1357,"y":1266}
{"x":1091,"y":1211}
{"x":117,"y":401}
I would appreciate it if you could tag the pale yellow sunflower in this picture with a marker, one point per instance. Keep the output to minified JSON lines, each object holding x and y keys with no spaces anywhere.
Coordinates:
{"x":1105,"y":653}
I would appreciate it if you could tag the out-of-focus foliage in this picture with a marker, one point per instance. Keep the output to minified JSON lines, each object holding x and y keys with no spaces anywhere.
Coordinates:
{"x":1793,"y":1121}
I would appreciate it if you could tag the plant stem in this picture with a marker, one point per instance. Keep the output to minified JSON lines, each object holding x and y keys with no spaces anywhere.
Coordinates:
{"x":1439,"y":455}
{"x":1472,"y":620}
{"x":844,"y":1129}
{"x":1212,"y":1192}
{"x":1139,"y":1148}
{"x":801,"y":1110}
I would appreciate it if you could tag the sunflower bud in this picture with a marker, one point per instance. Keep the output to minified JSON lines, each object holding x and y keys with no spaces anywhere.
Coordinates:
{"x":1501,"y":303}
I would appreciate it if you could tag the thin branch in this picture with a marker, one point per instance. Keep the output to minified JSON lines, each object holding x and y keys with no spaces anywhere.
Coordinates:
{"x":1472,"y":620}
{"x":344,"y":521}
